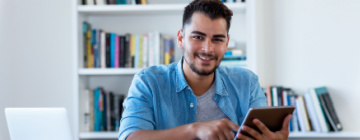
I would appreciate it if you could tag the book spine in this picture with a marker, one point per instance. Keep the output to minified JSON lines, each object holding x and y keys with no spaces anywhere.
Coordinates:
{"x":141,"y":54}
{"x":107,"y":50}
{"x":137,"y":55}
{"x":318,"y":110}
{"x":112,"y":50}
{"x":312,"y":114}
{"x":117,"y":52}
{"x":122,"y":51}
{"x":102,"y":50}
{"x":85,"y":38}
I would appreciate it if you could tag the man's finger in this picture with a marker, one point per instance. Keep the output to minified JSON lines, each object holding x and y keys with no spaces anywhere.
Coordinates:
{"x":262,"y":127}
{"x":286,"y":122}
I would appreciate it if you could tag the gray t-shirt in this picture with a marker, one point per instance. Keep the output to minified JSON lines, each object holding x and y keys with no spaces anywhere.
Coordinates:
{"x":207,"y":109}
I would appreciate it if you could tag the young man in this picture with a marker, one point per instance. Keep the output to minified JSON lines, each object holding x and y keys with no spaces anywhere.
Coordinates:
{"x":195,"y":98}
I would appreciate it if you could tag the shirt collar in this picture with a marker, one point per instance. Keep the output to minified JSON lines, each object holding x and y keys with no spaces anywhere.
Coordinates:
{"x":181,"y":82}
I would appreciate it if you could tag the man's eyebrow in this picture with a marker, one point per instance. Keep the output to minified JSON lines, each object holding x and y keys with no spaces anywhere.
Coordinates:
{"x":198,"y":32}
{"x":219,"y":35}
{"x":203,"y":34}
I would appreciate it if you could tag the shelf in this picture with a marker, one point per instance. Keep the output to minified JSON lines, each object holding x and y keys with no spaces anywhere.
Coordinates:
{"x":143,"y":9}
{"x":108,"y":71}
{"x":98,"y":135}
{"x":345,"y":134}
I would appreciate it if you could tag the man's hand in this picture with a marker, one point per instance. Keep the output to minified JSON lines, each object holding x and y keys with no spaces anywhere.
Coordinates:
{"x":283,"y":134}
{"x":215,"y":130}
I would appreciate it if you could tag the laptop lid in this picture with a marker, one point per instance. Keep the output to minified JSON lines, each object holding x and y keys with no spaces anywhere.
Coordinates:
{"x":38,"y":123}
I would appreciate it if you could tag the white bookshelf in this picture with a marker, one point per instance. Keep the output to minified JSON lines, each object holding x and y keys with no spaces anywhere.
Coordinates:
{"x":338,"y":135}
{"x":108,"y":71}
{"x":137,"y":19}
{"x":143,"y":9}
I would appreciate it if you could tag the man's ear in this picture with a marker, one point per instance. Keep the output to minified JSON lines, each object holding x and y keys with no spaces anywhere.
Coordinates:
{"x":180,"y":38}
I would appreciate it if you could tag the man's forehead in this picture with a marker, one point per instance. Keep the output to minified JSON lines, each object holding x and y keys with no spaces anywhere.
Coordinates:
{"x":203,"y":23}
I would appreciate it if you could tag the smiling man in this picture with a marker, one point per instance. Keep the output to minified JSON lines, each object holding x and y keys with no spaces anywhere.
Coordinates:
{"x":195,"y":98}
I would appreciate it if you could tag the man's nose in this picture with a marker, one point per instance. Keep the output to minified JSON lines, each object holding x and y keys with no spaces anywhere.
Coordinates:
{"x":207,"y":46}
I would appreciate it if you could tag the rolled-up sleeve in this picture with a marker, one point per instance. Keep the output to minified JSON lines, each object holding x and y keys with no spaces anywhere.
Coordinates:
{"x":138,"y":108}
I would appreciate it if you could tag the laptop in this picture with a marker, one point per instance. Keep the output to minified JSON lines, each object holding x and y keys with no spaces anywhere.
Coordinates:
{"x":38,"y":123}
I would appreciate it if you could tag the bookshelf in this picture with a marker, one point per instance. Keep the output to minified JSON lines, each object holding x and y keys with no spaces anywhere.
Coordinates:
{"x":165,"y":17}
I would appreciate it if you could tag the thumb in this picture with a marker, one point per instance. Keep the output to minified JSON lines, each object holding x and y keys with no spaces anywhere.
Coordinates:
{"x":286,"y":122}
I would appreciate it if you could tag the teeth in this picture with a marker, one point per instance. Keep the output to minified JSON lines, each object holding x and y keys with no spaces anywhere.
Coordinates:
{"x":204,"y":58}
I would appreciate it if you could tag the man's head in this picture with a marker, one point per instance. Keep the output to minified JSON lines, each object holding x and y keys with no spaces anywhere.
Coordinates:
{"x":204,"y":36}
{"x":212,"y":8}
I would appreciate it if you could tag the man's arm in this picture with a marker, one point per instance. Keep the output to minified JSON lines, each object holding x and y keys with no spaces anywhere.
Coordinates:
{"x":217,"y":129}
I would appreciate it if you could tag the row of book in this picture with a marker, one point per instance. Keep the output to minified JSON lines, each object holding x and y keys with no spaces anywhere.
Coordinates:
{"x":113,"y":2}
{"x":234,"y":58}
{"x":314,"y":111}
{"x":129,"y":2}
{"x":102,"y":110}
{"x":110,"y":50}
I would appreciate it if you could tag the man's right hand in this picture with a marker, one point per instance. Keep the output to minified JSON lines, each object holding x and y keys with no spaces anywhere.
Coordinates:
{"x":215,"y":130}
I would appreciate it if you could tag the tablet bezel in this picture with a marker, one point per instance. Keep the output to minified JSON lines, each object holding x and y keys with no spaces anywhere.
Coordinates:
{"x":272,"y":117}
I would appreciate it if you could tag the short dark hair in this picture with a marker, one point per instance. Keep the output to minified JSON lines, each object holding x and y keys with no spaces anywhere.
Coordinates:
{"x":212,"y":8}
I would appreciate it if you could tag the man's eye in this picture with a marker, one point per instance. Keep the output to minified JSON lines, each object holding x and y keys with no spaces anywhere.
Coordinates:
{"x":218,"y":40}
{"x":197,"y":37}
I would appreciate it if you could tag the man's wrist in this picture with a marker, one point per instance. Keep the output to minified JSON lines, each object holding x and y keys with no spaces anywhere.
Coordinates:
{"x":191,"y":130}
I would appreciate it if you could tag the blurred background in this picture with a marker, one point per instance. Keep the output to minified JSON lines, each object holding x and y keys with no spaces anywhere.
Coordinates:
{"x":299,"y":44}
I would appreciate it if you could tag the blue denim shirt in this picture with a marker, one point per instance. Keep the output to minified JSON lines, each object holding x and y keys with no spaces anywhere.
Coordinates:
{"x":160,"y":98}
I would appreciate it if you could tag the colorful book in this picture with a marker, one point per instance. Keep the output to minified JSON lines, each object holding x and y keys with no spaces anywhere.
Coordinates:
{"x":117,"y":52}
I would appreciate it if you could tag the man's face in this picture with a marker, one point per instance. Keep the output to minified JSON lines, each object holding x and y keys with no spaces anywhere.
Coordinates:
{"x":204,"y":42}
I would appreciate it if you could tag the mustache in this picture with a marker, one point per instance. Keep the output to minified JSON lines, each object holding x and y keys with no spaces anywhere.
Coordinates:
{"x":207,"y":54}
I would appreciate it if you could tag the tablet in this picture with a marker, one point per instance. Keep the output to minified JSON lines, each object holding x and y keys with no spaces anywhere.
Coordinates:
{"x":272,"y":117}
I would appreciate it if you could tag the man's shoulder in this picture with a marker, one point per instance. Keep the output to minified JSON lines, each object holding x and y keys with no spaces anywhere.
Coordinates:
{"x":158,"y":70}
{"x":235,"y":72}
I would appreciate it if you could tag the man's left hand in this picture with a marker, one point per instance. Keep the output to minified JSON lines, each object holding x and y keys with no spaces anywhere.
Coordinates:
{"x":282,"y":134}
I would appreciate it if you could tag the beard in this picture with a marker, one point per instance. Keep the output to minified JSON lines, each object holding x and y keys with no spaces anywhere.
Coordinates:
{"x":198,"y":71}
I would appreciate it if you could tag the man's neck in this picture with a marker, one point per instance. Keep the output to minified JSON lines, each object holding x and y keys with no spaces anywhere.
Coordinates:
{"x":198,"y":83}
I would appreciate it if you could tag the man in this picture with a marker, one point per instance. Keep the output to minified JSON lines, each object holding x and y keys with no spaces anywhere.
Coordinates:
{"x":194,"y":98}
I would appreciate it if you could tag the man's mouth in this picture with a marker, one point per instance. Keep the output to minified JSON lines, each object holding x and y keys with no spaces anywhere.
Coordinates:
{"x":206,"y":57}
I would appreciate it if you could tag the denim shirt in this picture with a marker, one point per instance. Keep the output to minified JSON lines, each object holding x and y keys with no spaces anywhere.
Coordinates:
{"x":160,"y":98}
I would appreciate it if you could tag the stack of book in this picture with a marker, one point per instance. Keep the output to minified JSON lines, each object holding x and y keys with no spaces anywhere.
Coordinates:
{"x":102,"y":110}
{"x":314,"y":110}
{"x":234,"y":58}
{"x":113,"y":2}
{"x":110,"y":50}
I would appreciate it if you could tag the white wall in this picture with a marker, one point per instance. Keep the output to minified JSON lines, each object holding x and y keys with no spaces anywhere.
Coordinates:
{"x":35,"y":56}
{"x":309,"y":43}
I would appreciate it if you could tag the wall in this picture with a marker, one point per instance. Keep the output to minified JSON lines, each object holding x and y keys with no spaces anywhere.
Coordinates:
{"x":36,"y":55}
{"x":309,"y":43}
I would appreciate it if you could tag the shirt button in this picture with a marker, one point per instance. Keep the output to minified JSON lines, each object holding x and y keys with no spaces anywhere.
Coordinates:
{"x":191,"y":105}
{"x":188,"y":88}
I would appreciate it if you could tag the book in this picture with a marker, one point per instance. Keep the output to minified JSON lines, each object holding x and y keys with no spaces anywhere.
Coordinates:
{"x":117,"y":52}
{"x":302,"y":114}
{"x":85,"y":41}
{"x":107,"y":50}
{"x":329,"y":108}
{"x":319,"y":111}
{"x":102,"y":49}
{"x":127,"y":51}
{"x":268,"y":96}
{"x":112,"y":50}
{"x":312,"y":114}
